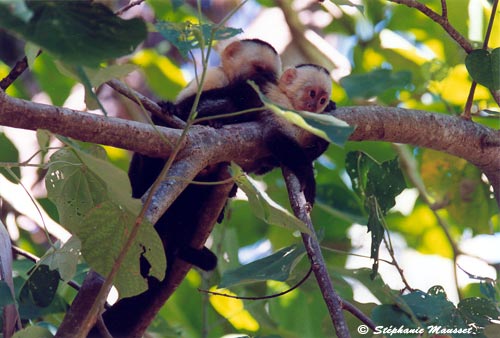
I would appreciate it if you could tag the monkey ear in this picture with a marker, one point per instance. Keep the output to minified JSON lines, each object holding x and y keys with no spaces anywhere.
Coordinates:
{"x":232,"y":49}
{"x":289,"y":76}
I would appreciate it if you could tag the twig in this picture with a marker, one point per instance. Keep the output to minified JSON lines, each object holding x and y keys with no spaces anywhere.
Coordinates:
{"x":444,"y":9}
{"x":410,"y":168}
{"x":358,"y":314}
{"x":299,"y":283}
{"x":15,"y":72}
{"x":442,"y":20}
{"x":127,"y":7}
{"x":394,"y":262}
{"x":332,"y":299}
{"x":470,"y":98}
{"x":146,"y":102}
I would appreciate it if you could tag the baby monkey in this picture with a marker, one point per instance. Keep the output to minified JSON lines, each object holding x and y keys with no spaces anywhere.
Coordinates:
{"x":305,"y":87}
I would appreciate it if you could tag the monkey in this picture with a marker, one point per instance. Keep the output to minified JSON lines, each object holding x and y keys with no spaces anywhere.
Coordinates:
{"x":241,"y":59}
{"x":304,"y":87}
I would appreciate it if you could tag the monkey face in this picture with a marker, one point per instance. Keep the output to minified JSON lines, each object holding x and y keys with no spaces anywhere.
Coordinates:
{"x":312,"y":98}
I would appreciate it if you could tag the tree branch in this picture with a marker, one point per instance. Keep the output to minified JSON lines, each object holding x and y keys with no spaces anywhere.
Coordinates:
{"x":244,"y":143}
{"x":332,"y":299}
{"x":442,"y":20}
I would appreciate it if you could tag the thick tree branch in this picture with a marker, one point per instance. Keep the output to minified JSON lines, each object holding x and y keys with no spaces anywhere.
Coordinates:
{"x":473,"y":142}
{"x":244,"y":143}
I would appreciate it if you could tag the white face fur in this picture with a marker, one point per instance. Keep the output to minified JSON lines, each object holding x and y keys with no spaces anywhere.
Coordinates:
{"x":308,"y":88}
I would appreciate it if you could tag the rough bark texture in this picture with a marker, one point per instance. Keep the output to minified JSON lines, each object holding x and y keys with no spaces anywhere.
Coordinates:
{"x":243,"y":144}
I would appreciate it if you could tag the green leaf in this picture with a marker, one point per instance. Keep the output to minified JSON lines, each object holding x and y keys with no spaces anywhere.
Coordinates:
{"x":9,"y":153}
{"x":484,"y":67}
{"x":375,"y":83}
{"x":103,"y":233}
{"x":78,"y":32}
{"x":325,"y":126}
{"x":435,"y":313}
{"x":116,"y":180}
{"x":63,"y":259}
{"x":33,"y":332}
{"x":277,"y":266}
{"x":478,"y":310}
{"x":187,"y":36}
{"x":41,"y":286}
{"x":49,"y":77}
{"x":73,"y":189}
{"x":369,"y":178}
{"x":377,"y":185}
{"x":263,"y":206}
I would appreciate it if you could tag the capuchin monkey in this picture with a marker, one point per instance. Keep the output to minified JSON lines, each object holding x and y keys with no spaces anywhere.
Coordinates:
{"x":225,"y":91}
{"x":305,"y":87}
{"x":240,"y":60}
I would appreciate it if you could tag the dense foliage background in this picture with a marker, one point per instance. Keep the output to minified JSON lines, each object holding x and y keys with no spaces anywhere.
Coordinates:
{"x":441,"y":237}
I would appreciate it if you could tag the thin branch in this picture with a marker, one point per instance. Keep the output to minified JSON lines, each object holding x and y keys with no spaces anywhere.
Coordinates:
{"x":127,"y":7}
{"x":441,"y":20}
{"x":358,"y":314}
{"x":274,"y":295}
{"x":490,"y":24}
{"x":146,"y":103}
{"x":410,"y":167}
{"x":15,"y":72}
{"x":444,"y":9}
{"x":470,"y":99}
{"x":330,"y":296}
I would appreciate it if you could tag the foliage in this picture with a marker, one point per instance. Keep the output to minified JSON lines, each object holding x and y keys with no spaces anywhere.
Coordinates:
{"x":393,"y":62}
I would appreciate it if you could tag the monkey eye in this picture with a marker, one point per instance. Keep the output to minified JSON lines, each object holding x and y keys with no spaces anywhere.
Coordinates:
{"x":258,"y":68}
{"x":322,"y":100}
{"x":312,"y":94}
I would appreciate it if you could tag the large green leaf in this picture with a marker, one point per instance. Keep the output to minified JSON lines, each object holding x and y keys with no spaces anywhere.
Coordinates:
{"x":263,"y":206}
{"x":377,"y":185}
{"x":77,"y":32}
{"x":73,"y":189}
{"x":375,"y":83}
{"x":484,"y":67}
{"x":104,"y":231}
{"x":435,"y":314}
{"x":479,"y":311}
{"x":459,"y":183}
{"x":277,"y":266}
